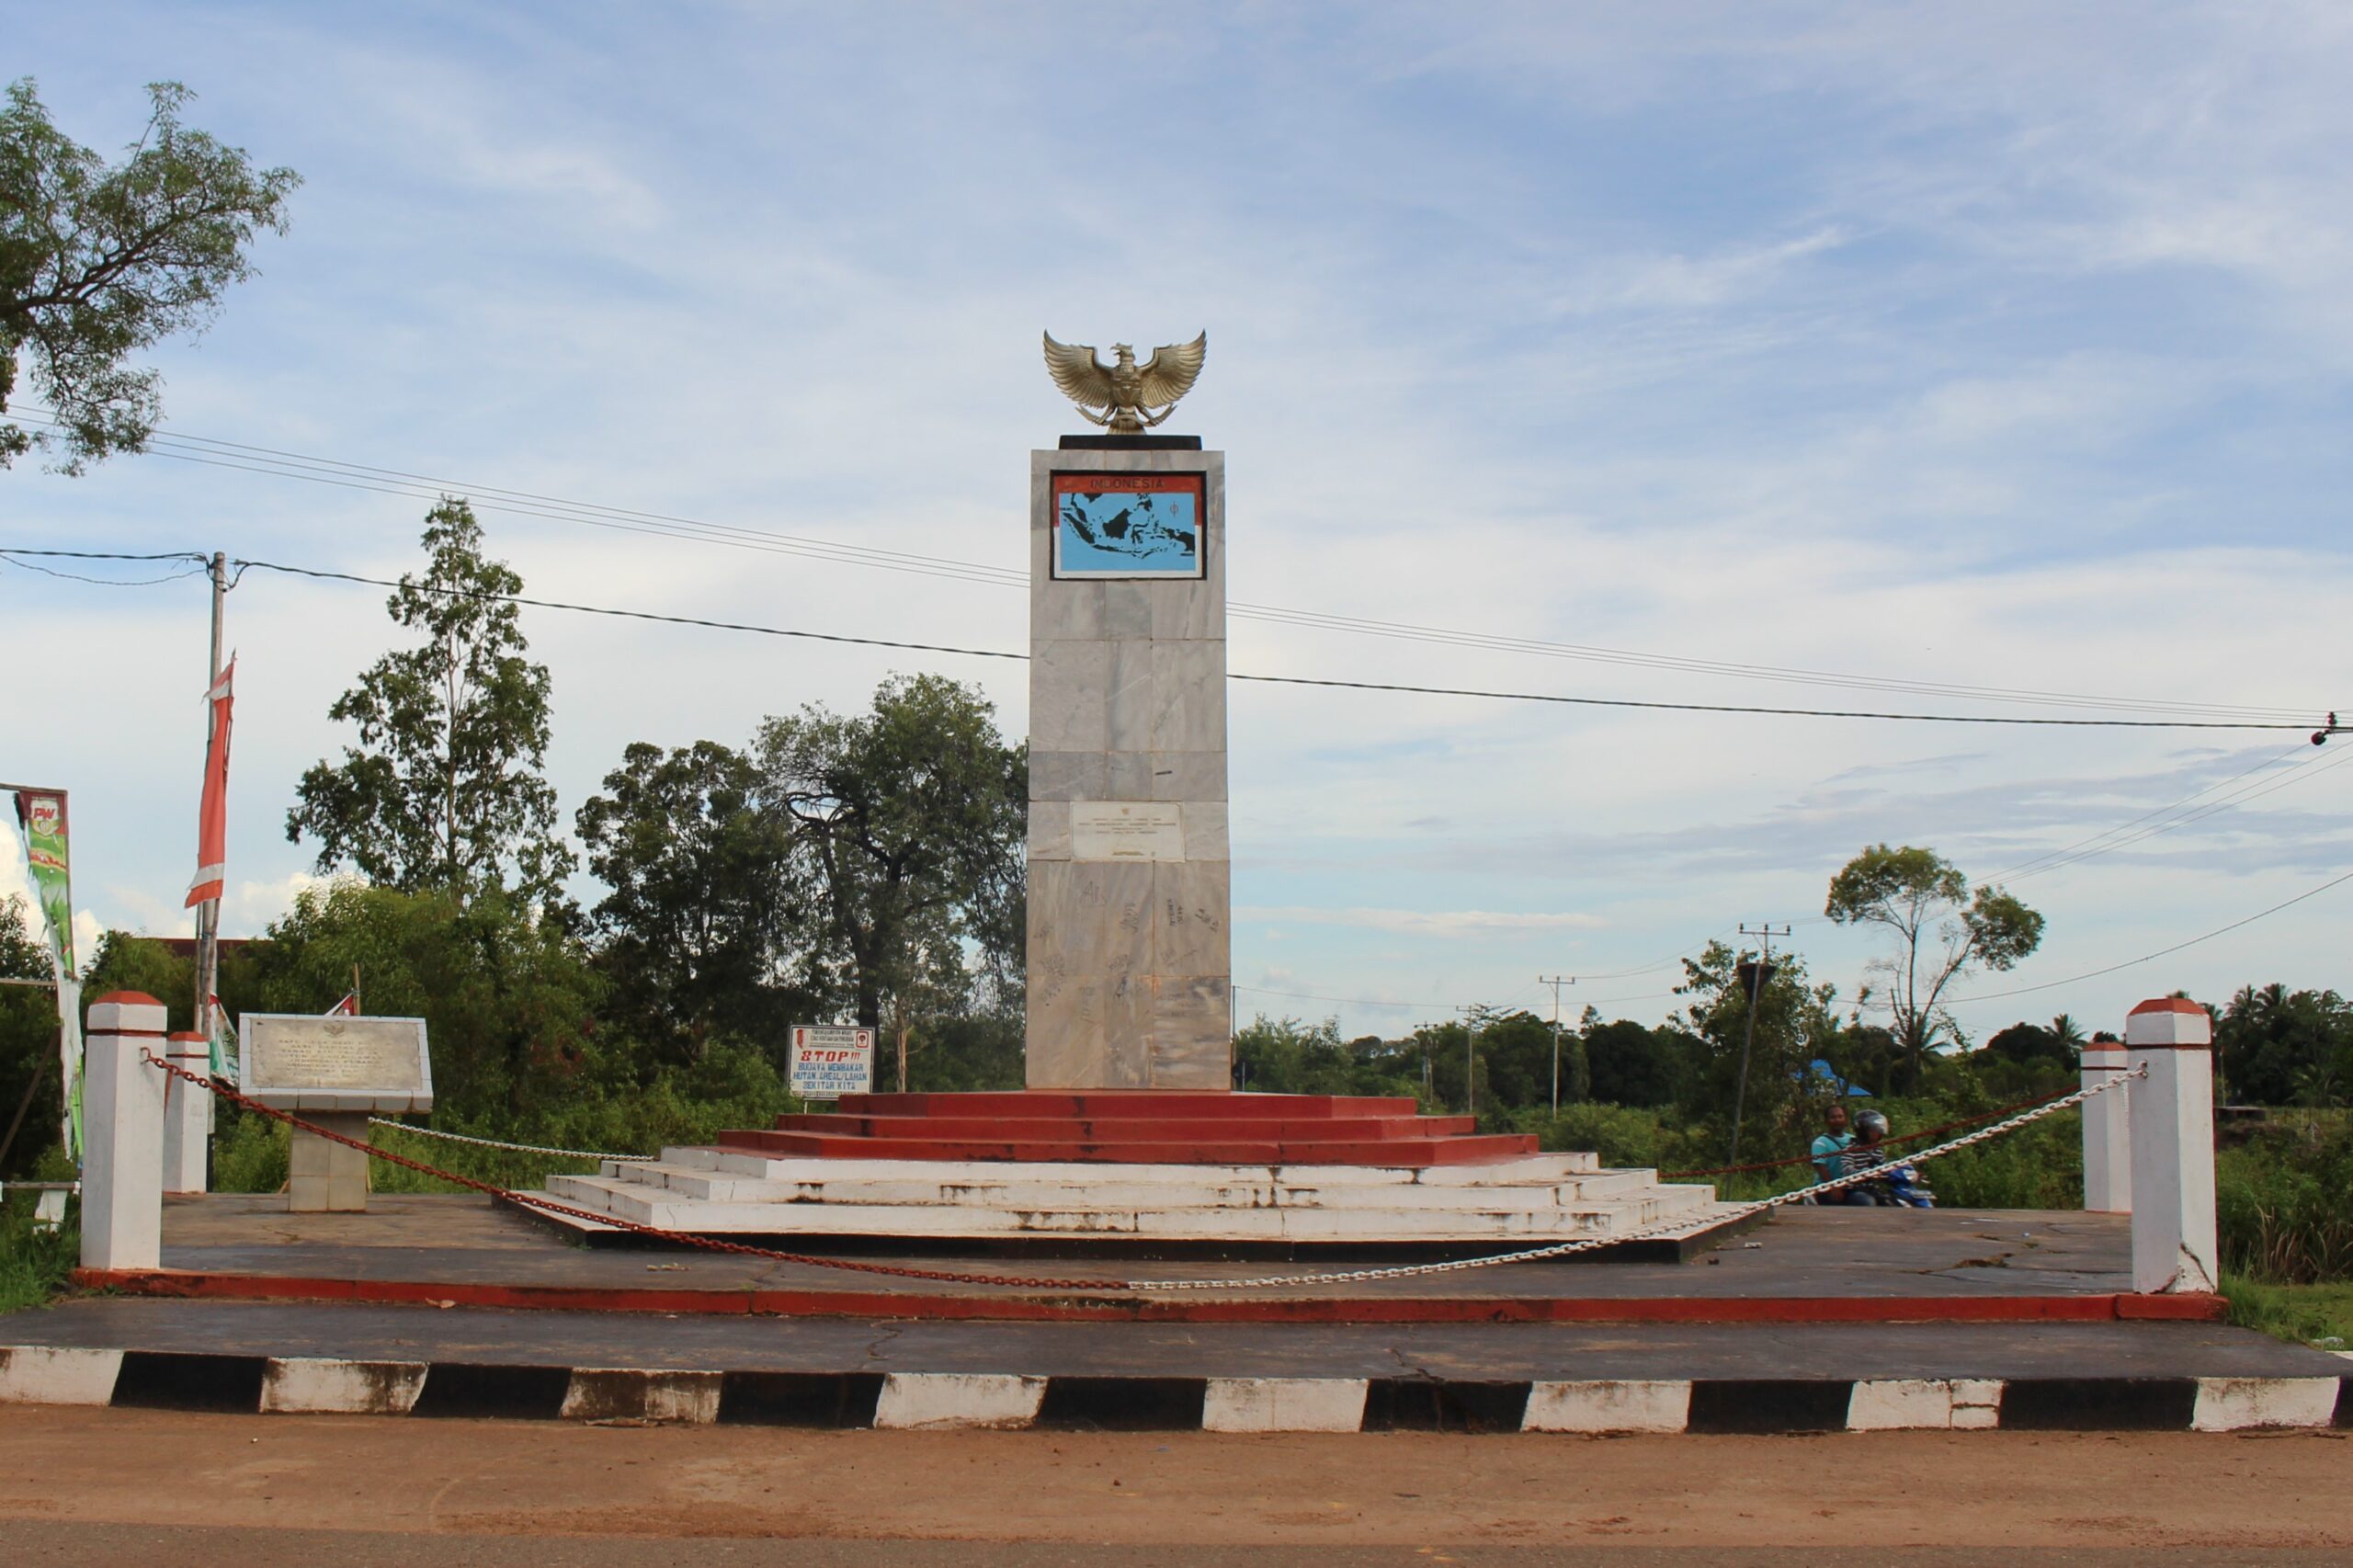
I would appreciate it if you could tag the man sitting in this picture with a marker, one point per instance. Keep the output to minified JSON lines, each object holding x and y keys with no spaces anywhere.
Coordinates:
{"x":1899,"y":1186}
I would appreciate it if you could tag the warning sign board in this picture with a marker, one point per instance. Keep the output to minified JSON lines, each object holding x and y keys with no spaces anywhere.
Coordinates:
{"x":830,"y":1060}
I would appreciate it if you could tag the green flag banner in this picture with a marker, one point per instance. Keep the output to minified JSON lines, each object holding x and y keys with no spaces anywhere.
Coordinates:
{"x":40,"y":813}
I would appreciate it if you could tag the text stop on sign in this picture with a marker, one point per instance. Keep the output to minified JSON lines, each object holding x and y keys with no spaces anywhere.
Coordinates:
{"x":832,"y":1060}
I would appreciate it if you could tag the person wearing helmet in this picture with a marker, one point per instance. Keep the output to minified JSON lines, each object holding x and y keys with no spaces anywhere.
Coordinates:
{"x":1900,"y":1186}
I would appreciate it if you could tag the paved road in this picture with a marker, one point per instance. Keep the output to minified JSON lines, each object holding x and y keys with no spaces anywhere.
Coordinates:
{"x":98,"y":1486}
{"x":104,"y":1546}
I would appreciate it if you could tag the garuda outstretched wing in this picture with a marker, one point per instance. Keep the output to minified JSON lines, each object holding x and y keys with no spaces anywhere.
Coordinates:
{"x":1082,"y":378}
{"x":1169,"y":373}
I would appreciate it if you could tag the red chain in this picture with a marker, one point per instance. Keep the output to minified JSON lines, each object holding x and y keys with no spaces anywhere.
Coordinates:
{"x":1907,"y":1138}
{"x":710,"y":1244}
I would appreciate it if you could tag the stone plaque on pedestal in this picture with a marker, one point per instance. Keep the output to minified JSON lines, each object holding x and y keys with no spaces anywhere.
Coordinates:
{"x":335,"y":1072}
{"x":1129,"y":969}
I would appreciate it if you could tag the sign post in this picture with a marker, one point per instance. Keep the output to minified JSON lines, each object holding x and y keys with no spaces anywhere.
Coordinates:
{"x":830,"y":1060}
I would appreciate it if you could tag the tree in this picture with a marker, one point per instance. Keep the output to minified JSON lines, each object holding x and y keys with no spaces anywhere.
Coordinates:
{"x":2276,"y":1045}
{"x":1941,"y":934}
{"x":1795,"y":1024}
{"x":27,"y":1042}
{"x":445,"y":789}
{"x":909,"y":821}
{"x":1632,"y":1065}
{"x":97,"y":262}
{"x":702,"y":930}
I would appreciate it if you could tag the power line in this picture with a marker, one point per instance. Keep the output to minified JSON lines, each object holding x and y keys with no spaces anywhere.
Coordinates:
{"x":2161,"y":953}
{"x":1779,"y":712}
{"x":245,"y":457}
{"x":244,"y":564}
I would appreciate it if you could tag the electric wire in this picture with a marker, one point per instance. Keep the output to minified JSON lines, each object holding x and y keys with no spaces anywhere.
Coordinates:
{"x":2161,"y":953}
{"x":244,"y":457}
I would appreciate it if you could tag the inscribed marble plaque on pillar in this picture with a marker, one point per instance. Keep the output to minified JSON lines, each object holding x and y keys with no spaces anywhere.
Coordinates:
{"x":1126,"y":830}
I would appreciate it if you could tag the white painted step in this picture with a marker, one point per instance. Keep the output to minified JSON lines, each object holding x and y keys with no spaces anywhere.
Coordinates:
{"x":803,"y":1167}
{"x":653,"y":1206}
{"x":1104,"y":1187}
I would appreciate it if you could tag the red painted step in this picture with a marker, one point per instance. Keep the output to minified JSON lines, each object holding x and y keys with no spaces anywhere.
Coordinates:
{"x":1231,"y":1151}
{"x":1104,"y":1103}
{"x":1133,"y":1127}
{"x":1076,"y":1129}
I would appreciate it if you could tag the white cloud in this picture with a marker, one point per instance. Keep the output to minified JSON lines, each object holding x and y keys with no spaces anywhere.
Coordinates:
{"x":1442,"y":922}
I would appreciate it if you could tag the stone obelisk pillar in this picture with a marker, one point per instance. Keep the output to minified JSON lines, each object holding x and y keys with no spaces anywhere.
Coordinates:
{"x":1131,"y":887}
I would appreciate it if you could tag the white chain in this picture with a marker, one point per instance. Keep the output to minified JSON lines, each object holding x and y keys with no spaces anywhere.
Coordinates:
{"x":1594,"y":1243}
{"x":495,"y":1143}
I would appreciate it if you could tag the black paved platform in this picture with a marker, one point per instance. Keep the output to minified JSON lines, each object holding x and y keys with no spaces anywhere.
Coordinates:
{"x":1800,"y":1253}
{"x":1449,"y":1352}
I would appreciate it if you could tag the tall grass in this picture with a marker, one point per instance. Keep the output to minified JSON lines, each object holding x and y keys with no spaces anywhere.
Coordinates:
{"x":35,"y":1261}
{"x":2284,"y":1201}
{"x":2038,"y":1166}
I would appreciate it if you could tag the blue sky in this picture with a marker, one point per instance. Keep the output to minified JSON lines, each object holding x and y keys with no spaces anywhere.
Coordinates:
{"x":1996,"y":345}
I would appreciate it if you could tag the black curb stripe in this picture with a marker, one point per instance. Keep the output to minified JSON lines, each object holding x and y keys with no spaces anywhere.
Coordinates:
{"x":799,"y":1399}
{"x":1426,"y":1405}
{"x":515,"y":1393}
{"x":163,"y":1380}
{"x":2345,"y":1402}
{"x":1770,"y":1405}
{"x":2101,"y":1404}
{"x":1124,"y":1404}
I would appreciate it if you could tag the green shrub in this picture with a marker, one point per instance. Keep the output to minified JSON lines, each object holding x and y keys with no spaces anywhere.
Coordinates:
{"x":35,"y":1262}
{"x":2284,"y":1203}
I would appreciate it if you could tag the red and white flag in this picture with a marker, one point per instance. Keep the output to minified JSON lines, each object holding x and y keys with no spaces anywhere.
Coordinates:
{"x":347,"y":1008}
{"x":212,"y":811}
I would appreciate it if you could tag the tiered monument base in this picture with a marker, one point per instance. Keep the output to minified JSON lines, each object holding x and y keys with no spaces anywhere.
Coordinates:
{"x":1208,"y":1167}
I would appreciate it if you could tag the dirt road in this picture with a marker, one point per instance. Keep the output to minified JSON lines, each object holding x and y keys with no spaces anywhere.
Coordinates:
{"x":82,"y":1483}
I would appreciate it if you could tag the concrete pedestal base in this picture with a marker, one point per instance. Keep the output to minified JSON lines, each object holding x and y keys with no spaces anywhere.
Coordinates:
{"x":324,"y":1176}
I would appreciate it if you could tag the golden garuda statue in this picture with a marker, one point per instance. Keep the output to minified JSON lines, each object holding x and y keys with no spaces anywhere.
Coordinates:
{"x":1126,"y":391}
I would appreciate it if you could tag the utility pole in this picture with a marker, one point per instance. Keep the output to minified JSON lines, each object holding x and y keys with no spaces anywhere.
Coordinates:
{"x":1556,"y":981}
{"x":208,"y":914}
{"x":1471,"y":1016}
{"x":1759,"y":973}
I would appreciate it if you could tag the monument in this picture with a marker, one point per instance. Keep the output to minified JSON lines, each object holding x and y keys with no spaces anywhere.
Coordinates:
{"x":335,"y":1072}
{"x":1131,"y":888}
{"x":1129,"y":1129}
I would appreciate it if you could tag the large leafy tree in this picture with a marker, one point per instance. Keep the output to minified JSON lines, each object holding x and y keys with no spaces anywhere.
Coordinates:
{"x":2279,"y":1047}
{"x":703,"y":931}
{"x":908,"y":820}
{"x":100,"y":261}
{"x":1939,"y":933}
{"x":446,"y":789}
{"x":1796,"y":1024}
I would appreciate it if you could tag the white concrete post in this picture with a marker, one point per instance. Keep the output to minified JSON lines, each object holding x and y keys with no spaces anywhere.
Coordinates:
{"x":122,"y":1134}
{"x":2107,"y":1133}
{"x":2174,"y":1245}
{"x":187,"y":1113}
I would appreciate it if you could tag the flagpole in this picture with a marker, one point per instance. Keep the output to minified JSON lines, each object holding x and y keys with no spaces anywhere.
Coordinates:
{"x":208,"y":914}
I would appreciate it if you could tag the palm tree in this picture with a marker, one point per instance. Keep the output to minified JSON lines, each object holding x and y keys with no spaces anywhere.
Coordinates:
{"x":2068,"y":1033}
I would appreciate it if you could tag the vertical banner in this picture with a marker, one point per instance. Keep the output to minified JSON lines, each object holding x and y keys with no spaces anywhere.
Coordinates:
{"x":212,"y":809}
{"x":40,"y":814}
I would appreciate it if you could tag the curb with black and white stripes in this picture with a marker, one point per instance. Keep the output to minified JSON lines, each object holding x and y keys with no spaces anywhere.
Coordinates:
{"x":914,"y":1401}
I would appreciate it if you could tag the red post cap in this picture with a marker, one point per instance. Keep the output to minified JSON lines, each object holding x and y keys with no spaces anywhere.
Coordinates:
{"x":125,"y":999}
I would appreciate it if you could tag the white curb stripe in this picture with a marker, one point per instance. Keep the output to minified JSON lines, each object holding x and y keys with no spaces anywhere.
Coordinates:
{"x":1630,"y":1405}
{"x":43,"y":1374}
{"x":622,"y":1394}
{"x":912,"y":1401}
{"x":2231,"y":1404}
{"x":1896,"y":1405}
{"x":1283,"y":1404}
{"x":292,"y":1384}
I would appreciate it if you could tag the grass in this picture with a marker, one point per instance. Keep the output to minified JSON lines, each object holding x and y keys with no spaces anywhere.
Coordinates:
{"x":2304,"y":1314}
{"x":34,"y":1263}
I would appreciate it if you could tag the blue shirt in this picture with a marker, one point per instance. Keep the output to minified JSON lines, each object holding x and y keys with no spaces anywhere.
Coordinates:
{"x":1826,"y":1150}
